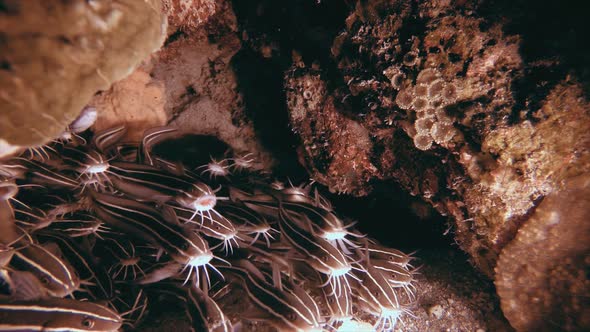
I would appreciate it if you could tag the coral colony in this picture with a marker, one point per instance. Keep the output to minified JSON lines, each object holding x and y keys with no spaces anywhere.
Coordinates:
{"x":95,"y":232}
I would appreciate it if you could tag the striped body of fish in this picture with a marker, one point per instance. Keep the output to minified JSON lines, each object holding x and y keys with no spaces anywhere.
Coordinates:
{"x":57,"y":315}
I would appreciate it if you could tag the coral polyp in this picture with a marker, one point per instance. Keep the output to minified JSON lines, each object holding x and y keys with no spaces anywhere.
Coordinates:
{"x":140,"y":222}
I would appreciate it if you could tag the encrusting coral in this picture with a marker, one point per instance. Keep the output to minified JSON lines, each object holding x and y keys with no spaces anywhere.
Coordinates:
{"x":223,"y":238}
{"x":430,"y":96}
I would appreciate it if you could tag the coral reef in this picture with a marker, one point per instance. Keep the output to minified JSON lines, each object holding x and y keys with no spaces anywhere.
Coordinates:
{"x":445,"y":101}
{"x":56,"y":55}
{"x":429,"y":90}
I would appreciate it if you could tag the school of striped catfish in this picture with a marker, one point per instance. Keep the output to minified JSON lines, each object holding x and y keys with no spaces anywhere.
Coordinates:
{"x":95,"y":231}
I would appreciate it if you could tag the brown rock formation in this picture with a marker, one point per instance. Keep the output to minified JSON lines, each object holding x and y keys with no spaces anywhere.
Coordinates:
{"x":57,"y":54}
{"x":542,"y":275}
{"x":189,"y":83}
{"x":426,"y":97}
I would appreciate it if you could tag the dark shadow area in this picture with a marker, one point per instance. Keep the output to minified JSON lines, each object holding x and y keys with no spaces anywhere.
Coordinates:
{"x":307,"y":26}
{"x":192,"y":150}
{"x":554,"y":43}
{"x":261,"y":82}
{"x":391,"y":216}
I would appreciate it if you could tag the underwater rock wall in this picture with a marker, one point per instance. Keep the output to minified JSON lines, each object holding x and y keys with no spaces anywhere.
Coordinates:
{"x":425,"y":95}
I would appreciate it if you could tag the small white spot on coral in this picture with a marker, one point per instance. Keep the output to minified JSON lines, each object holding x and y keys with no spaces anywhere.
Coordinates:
{"x":553,"y":218}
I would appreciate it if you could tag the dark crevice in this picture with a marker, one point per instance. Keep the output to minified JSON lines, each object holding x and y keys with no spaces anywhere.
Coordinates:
{"x":390,"y":216}
{"x":192,"y":150}
{"x":261,"y":83}
{"x":309,"y":27}
{"x":5,"y":65}
{"x":553,"y":44}
{"x":10,"y":7}
{"x":174,"y":37}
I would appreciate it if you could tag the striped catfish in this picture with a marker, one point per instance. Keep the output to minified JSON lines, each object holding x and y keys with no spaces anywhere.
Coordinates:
{"x":147,"y":182}
{"x":204,"y":313}
{"x":126,"y":152}
{"x":13,"y":168}
{"x":132,"y":305}
{"x":148,"y":223}
{"x":153,"y":136}
{"x":324,"y":224}
{"x":152,"y":184}
{"x":87,"y":162}
{"x":339,"y":305}
{"x":373,"y":290}
{"x":93,"y":275}
{"x":248,"y":221}
{"x":319,"y":253}
{"x":263,"y":204}
{"x":10,"y":236}
{"x":21,"y":285}
{"x":56,"y":315}
{"x":389,"y":255}
{"x":48,"y":264}
{"x":294,"y":194}
{"x":125,"y":262}
{"x":277,"y":259}
{"x":202,"y":310}
{"x":161,"y":228}
{"x":31,"y":219}
{"x":78,"y":224}
{"x":282,"y":309}
{"x":212,"y":225}
{"x":108,"y":138}
{"x":8,"y":189}
{"x":40,"y":174}
{"x":305,"y":300}
{"x":159,"y":271}
{"x":218,"y":170}
{"x":398,"y":276}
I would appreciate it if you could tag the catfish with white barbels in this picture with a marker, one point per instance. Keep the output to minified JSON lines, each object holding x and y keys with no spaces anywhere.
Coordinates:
{"x":49,"y":265}
{"x":159,"y":227}
{"x":152,"y":184}
{"x":282,"y":309}
{"x":318,"y":253}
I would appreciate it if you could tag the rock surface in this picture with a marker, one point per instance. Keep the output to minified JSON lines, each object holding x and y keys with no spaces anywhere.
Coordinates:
{"x":188,"y":84}
{"x":57,"y":54}
{"x":424,"y":95}
{"x":542,"y":275}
